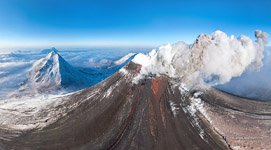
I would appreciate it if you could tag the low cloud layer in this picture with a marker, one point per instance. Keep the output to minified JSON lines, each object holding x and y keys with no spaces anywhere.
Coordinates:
{"x":252,"y":84}
{"x":213,"y":59}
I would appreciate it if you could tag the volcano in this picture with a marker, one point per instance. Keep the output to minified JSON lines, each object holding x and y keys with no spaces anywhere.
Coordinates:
{"x":156,"y":113}
{"x":54,"y":73}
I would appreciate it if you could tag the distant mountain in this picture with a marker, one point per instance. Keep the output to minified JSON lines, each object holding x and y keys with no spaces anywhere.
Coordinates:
{"x":53,"y":72}
{"x":109,"y":62}
{"x":124,"y":59}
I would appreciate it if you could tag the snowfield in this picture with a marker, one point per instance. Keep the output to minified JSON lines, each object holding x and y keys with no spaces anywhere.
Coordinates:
{"x":27,"y":114}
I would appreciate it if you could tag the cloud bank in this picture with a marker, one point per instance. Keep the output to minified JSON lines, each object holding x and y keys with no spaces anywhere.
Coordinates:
{"x":212,"y":59}
{"x":252,"y":84}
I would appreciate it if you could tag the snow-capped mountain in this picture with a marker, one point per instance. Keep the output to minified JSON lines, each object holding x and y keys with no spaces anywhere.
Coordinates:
{"x":111,"y":62}
{"x":124,"y":59}
{"x":53,"y":72}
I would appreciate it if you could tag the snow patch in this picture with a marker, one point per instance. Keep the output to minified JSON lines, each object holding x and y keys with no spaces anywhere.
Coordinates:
{"x":174,"y":108}
{"x":183,"y":88}
{"x":109,"y":91}
{"x":196,"y":105}
{"x":123,"y":71}
{"x":111,"y":88}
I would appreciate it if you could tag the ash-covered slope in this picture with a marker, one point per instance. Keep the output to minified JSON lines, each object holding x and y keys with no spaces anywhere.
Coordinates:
{"x":53,"y":73}
{"x":114,"y":114}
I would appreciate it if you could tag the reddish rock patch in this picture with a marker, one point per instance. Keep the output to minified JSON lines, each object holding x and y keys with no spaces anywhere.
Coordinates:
{"x":158,"y":85}
{"x":155,"y":86}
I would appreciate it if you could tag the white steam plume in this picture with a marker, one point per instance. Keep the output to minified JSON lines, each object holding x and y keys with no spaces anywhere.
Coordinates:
{"x":214,"y":58}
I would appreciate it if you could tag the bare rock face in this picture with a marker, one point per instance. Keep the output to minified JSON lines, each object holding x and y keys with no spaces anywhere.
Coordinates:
{"x":153,"y":114}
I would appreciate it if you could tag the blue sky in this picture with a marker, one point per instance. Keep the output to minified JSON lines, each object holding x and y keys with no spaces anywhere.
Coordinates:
{"x":125,"y":23}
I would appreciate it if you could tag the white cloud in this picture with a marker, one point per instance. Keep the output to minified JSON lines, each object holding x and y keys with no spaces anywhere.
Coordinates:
{"x":214,"y":58}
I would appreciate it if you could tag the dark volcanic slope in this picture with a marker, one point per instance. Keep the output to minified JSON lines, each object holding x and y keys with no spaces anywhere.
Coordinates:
{"x":116,"y":114}
{"x":245,"y":124}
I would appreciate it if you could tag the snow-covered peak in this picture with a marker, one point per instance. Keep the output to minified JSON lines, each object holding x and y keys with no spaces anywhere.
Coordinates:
{"x":53,"y":72}
{"x":124,"y":59}
{"x":47,"y":70}
{"x":214,"y":58}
